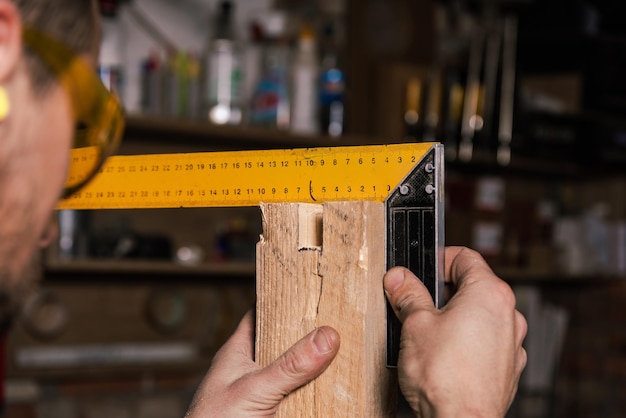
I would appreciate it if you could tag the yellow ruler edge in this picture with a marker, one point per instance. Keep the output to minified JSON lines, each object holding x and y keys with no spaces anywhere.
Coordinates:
{"x":246,"y":178}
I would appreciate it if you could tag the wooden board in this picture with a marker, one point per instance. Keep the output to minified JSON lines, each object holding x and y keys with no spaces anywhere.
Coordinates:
{"x":301,"y":286}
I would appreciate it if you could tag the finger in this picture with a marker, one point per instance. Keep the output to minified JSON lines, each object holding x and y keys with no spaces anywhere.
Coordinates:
{"x":464,"y":266}
{"x":241,"y":342}
{"x":303,"y":362}
{"x":450,"y":253}
{"x":522,"y":359}
{"x":406,"y":293}
{"x":235,"y":358}
{"x":521,"y":328}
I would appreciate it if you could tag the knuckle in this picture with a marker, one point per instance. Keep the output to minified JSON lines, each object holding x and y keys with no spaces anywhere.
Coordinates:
{"x":411,"y":368}
{"x":470,"y":253}
{"x":293,"y":365}
{"x":503,"y":294}
{"x":522,"y":325}
{"x":522,"y":360}
{"x":418,"y":320}
{"x":412,"y":299}
{"x":472,"y":258}
{"x":403,"y":302}
{"x":407,"y":306}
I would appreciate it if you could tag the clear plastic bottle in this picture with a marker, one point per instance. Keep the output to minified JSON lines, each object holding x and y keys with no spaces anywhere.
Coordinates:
{"x":223,"y":73}
{"x":305,"y":73}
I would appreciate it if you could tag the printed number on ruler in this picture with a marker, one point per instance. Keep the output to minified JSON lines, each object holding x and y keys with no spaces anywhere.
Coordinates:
{"x":245,"y":178}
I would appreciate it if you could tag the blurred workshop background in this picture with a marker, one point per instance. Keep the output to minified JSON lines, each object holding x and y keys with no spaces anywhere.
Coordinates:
{"x":528,"y":96}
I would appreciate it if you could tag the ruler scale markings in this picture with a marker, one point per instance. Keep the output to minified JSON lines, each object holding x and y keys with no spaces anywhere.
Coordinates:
{"x":245,"y":178}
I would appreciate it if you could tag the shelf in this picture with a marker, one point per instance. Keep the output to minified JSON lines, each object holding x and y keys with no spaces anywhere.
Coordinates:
{"x":228,"y":138}
{"x":523,"y":277}
{"x":146,"y":267}
{"x":484,"y":164}
{"x":146,"y":134}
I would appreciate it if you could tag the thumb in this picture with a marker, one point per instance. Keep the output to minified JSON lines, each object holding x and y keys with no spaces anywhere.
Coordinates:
{"x":406,"y":293}
{"x":299,"y":365}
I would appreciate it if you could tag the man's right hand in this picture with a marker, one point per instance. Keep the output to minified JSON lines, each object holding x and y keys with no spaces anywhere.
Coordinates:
{"x":465,"y":359}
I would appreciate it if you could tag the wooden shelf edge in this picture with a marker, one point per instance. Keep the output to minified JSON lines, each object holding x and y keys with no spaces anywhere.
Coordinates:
{"x":149,"y":267}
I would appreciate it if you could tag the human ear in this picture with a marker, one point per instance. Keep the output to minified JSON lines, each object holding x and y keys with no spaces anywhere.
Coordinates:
{"x":10,"y":39}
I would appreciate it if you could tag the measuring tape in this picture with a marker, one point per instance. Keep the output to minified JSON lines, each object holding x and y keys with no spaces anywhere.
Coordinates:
{"x":244,"y":178}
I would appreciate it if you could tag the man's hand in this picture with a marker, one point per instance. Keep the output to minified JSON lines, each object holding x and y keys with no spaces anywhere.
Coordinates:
{"x":235,"y":386}
{"x":465,"y":359}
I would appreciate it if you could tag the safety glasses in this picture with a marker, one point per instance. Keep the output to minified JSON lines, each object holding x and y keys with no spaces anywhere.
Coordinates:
{"x":97,"y":113}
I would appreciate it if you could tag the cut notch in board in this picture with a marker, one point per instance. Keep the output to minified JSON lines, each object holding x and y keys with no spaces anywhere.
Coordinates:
{"x":310,"y":226}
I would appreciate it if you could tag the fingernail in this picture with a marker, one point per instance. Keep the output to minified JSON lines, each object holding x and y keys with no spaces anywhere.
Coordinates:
{"x":393,"y":280}
{"x":321,"y":342}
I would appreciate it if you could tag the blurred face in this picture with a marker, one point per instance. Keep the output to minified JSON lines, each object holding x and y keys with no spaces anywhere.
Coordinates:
{"x":35,"y":141}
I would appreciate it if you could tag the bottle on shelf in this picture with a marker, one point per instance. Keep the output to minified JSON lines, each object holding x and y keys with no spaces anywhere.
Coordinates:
{"x":223,"y":72}
{"x":110,"y":66}
{"x":252,"y":60}
{"x":151,"y":84}
{"x":269,"y":105}
{"x":332,"y":86}
{"x":305,"y":70}
{"x":181,"y":79}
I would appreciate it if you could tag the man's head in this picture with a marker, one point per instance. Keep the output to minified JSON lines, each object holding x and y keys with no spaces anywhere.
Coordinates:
{"x":36,"y":133}
{"x":73,"y":22}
